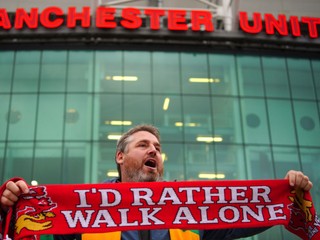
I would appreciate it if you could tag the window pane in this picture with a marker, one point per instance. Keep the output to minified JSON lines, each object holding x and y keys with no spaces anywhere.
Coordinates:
{"x":281,"y":122}
{"x":259,"y":162}
{"x":22,"y":117}
{"x":78,"y":117}
{"x":249,"y":75}
{"x":27,"y":69}
{"x":2,"y":171}
{"x":199,"y":161}
{"x":108,"y":65}
{"x":6,"y":67}
{"x":174,"y":163}
{"x":230,"y":161}
{"x":194,"y":70}
{"x":275,"y":77}
{"x":137,"y":66}
{"x":76,"y":158}
{"x":316,"y":74}
{"x":197,"y":119}
{"x":301,"y":78}
{"x":48,"y":163}
{"x":80,"y":71}
{"x":285,"y":159}
{"x":226,"y":117}
{"x":223,"y":74}
{"x":6,"y":116}
{"x":50,"y":117}
{"x":167,"y":116}
{"x":107,"y":109}
{"x":103,"y":161}
{"x":53,"y":71}
{"x":311,"y":166}
{"x":307,"y":120}
{"x":254,"y":121}
{"x":166,"y":72}
{"x":137,"y":108}
{"x":18,"y":160}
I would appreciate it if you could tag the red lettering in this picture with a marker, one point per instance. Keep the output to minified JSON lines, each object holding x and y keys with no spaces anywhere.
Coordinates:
{"x":23,"y":17}
{"x":4,"y":19}
{"x":177,"y":20}
{"x":295,"y":26}
{"x":105,"y":17}
{"x":312,"y":25}
{"x":272,"y":23}
{"x":131,"y":18}
{"x":45,"y":17}
{"x":73,"y":16}
{"x":201,"y":18}
{"x":154,"y":15}
{"x":244,"y":23}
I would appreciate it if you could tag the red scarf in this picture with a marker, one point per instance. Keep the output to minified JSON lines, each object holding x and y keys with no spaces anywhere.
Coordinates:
{"x":94,"y":208}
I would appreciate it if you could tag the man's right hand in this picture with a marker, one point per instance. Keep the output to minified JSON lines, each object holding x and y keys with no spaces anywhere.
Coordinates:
{"x":12,"y":192}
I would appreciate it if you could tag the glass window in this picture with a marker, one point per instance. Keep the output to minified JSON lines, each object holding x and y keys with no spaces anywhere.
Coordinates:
{"x":19,"y":160}
{"x":138,"y":108}
{"x":3,"y":147}
{"x":285,"y":159}
{"x":275,"y":77}
{"x":137,"y":72}
{"x":80,"y":71}
{"x":259,"y":162}
{"x":230,"y":161}
{"x":53,"y":71}
{"x":174,"y":161}
{"x":6,"y":116}
{"x":76,"y":159}
{"x":6,"y":69}
{"x":197,"y":119}
{"x":255,"y":125}
{"x":310,"y":166}
{"x":166,"y":72}
{"x":199,"y":161}
{"x":281,"y":122}
{"x":48,"y":163}
{"x":22,"y":117}
{"x":195,"y":73}
{"x":103,"y":161}
{"x":108,"y":116}
{"x":316,"y":74}
{"x":78,"y":117}
{"x":300,"y":76}
{"x":307,"y":121}
{"x":26,"y":72}
{"x":108,"y":71}
{"x":223,"y":78}
{"x":168,"y":117}
{"x":226,"y":118}
{"x":250,"y":76}
{"x":50,"y":117}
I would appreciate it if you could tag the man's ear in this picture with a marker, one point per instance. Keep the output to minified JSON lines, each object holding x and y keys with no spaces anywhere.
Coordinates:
{"x":119,"y":157}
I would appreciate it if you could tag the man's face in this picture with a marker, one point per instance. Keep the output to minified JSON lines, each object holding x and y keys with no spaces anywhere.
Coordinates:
{"x":141,"y":161}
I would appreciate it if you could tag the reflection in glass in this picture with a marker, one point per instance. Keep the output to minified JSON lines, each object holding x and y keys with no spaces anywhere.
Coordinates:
{"x":24,"y":129}
{"x":6,"y":67}
{"x":275,"y":77}
{"x":250,"y":75}
{"x":307,"y":123}
{"x":300,"y":76}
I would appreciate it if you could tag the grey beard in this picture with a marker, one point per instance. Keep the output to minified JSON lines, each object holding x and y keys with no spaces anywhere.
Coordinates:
{"x":137,"y":176}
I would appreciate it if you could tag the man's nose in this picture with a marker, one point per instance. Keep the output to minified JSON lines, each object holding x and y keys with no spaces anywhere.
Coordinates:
{"x":152,"y":149}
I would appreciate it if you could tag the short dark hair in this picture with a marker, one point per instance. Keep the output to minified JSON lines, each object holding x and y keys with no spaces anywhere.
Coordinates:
{"x":125,"y":139}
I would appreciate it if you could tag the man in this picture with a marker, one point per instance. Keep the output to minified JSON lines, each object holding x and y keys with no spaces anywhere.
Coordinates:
{"x":138,"y":158}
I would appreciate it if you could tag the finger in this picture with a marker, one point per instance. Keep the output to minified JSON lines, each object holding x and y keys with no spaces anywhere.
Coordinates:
{"x":291,"y":177}
{"x":17,"y":188}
